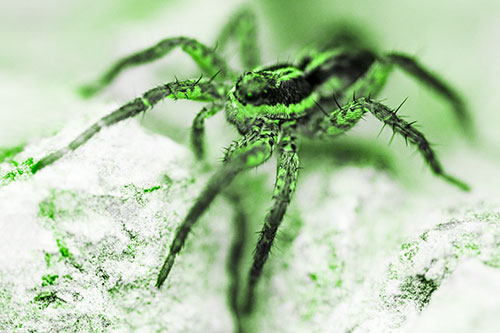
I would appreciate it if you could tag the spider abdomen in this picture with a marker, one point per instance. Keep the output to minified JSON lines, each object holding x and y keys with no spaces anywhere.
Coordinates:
{"x":337,"y":69}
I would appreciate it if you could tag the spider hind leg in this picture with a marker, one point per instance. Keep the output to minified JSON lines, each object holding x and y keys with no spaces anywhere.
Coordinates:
{"x":206,"y":58}
{"x":414,"y":68}
{"x":242,"y":26}
{"x":235,"y":258}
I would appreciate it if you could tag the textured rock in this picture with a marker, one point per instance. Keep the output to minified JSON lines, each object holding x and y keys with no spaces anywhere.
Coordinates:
{"x":83,"y":240}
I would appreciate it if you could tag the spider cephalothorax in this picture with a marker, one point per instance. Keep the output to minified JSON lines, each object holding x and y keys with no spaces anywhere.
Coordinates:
{"x":278,"y":92}
{"x":271,"y":107}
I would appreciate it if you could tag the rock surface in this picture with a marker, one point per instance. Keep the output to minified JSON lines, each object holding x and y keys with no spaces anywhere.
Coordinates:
{"x":83,"y":240}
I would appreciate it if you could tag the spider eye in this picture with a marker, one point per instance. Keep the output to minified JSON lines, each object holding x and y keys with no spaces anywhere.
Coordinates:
{"x":251,"y":96}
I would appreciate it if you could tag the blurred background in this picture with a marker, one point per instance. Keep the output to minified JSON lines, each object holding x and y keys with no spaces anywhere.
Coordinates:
{"x":48,"y":49}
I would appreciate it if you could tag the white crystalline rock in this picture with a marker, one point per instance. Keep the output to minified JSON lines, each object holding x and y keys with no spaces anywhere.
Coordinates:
{"x":82,"y":242}
{"x":466,"y":302}
{"x":113,"y":204}
{"x":353,"y":266}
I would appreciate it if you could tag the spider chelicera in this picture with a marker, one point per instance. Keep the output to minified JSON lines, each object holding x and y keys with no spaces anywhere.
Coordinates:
{"x":271,"y":107}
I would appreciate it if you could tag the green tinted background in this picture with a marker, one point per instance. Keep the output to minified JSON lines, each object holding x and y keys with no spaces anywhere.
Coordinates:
{"x":50,"y":47}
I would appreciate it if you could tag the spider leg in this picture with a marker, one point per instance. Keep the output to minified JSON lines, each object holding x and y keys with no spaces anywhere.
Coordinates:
{"x":410,"y":134}
{"x":344,"y":118}
{"x":233,"y":266}
{"x":206,"y":58}
{"x":242,"y":25}
{"x":198,"y":129}
{"x":336,"y":122}
{"x":371,"y":83}
{"x":412,"y":67}
{"x":286,"y":178}
{"x":364,"y":73}
{"x":250,"y":151}
{"x":189,"y":89}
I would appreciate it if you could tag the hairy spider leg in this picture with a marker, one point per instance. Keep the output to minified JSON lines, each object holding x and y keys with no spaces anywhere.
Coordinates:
{"x":252,"y":150}
{"x":242,"y":26}
{"x":425,"y":76}
{"x":400,"y":126}
{"x":198,"y":128}
{"x":341,"y":74}
{"x":286,"y":179}
{"x":206,"y":58}
{"x":336,"y":72}
{"x":189,"y":89}
{"x":362,"y":73}
{"x":370,"y":83}
{"x":345,"y":117}
{"x":338,"y":121}
{"x":234,"y":260}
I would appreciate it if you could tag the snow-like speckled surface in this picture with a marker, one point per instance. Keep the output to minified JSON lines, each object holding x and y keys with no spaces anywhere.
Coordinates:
{"x":348,"y":257}
{"x":113,"y":204}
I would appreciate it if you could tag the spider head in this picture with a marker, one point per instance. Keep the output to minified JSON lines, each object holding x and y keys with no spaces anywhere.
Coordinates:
{"x":255,"y":87}
{"x":277,"y":92}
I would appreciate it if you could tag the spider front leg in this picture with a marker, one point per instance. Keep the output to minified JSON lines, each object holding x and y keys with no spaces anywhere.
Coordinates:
{"x":189,"y":89}
{"x":286,"y":178}
{"x":198,"y":129}
{"x":242,"y":25}
{"x":252,"y":150}
{"x":335,"y":123}
{"x":411,"y":135}
{"x":206,"y":58}
{"x":346,"y":117}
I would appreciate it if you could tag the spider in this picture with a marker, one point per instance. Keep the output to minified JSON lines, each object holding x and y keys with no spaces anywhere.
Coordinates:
{"x":271,"y":107}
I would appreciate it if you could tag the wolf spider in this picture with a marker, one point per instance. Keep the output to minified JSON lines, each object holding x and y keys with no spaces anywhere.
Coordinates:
{"x":271,"y":106}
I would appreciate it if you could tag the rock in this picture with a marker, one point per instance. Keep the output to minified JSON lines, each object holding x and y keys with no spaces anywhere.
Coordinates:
{"x":84,"y":238}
